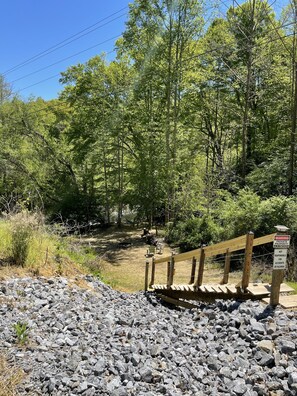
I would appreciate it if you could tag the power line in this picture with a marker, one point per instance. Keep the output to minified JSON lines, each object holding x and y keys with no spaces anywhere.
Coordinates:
{"x":240,"y":49}
{"x":204,"y":53}
{"x":195,"y":56}
{"x":64,"y":59}
{"x":56,"y":75}
{"x":65,"y":42}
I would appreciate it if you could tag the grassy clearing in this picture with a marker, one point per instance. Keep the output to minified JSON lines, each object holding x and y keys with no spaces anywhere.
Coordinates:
{"x":10,"y":378}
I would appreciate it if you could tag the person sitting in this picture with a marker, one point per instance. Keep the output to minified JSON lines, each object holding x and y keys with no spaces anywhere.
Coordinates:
{"x":145,"y":233}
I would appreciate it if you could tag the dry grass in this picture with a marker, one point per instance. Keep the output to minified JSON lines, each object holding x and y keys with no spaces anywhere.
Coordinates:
{"x":10,"y":378}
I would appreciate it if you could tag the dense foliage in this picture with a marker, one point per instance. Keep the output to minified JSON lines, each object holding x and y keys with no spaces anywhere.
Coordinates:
{"x":193,"y":124}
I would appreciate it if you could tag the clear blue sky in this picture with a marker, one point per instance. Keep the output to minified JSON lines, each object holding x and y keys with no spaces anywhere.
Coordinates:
{"x":29,"y":27}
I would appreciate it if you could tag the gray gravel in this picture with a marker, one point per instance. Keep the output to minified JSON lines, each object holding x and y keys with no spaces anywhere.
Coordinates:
{"x":102,"y":342}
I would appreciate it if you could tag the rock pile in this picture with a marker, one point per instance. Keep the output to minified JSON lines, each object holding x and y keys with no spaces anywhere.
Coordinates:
{"x":98,"y":341}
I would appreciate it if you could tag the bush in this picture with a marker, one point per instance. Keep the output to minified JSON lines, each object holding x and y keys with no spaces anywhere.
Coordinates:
{"x":238,"y":215}
{"x":232,"y":216}
{"x":277,"y":210}
{"x":192,"y":233}
{"x":23,"y":226}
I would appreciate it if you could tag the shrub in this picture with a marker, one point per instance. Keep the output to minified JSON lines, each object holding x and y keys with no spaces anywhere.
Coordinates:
{"x":23,"y":225}
{"x":192,"y":233}
{"x":238,"y":215}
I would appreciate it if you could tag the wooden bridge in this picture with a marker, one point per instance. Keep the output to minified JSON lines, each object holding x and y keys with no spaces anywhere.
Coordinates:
{"x":195,"y":289}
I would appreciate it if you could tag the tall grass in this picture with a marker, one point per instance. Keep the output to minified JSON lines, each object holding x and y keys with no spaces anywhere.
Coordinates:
{"x":28,"y":245}
{"x":23,"y":227}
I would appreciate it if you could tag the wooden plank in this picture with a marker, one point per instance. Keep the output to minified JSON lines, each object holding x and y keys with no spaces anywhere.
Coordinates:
{"x":223,"y":289}
{"x":285,"y":301}
{"x":174,"y":301}
{"x":264,"y":239}
{"x":231,"y":289}
{"x":212,"y":250}
{"x":257,"y":290}
{"x":220,"y":248}
{"x":284,"y":288}
{"x":208,"y":289}
{"x":216,"y":288}
{"x":181,"y":257}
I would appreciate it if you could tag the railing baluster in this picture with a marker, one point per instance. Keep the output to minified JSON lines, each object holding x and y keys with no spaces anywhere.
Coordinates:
{"x":247,"y":260}
{"x":201,"y":268}
{"x":153,"y":272}
{"x":194,"y":263}
{"x":226,"y":268}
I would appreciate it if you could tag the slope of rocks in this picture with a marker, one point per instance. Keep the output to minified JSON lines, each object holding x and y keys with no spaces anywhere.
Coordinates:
{"x":98,"y":341}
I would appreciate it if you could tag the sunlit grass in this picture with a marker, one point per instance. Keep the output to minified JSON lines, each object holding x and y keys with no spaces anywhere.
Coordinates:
{"x":293,"y":285}
{"x":48,"y":254}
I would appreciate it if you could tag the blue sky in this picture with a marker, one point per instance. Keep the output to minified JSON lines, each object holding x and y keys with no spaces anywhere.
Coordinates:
{"x":29,"y":27}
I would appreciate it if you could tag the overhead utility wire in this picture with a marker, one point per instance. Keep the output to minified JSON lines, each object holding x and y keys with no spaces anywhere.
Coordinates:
{"x":56,"y":75}
{"x":64,"y":59}
{"x":195,"y":56}
{"x":65,"y":42}
{"x":261,"y":44}
{"x":27,"y":75}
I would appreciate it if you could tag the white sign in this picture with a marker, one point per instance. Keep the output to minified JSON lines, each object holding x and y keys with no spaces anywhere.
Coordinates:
{"x":280,"y":258}
{"x":281,"y":242}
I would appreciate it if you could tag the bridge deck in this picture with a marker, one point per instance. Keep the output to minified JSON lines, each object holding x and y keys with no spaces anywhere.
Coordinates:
{"x":253,"y":291}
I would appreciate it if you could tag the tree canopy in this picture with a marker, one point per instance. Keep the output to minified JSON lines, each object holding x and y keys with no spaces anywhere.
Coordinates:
{"x":197,"y":113}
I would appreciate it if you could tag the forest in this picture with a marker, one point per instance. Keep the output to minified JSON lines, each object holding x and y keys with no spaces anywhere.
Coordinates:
{"x":192,"y":125}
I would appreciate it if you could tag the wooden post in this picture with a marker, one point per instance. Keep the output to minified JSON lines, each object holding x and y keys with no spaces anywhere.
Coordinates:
{"x":281,"y":245}
{"x":201,"y":268}
{"x":168,"y":273}
{"x":153,"y":272}
{"x":226,"y":268}
{"x":171,"y":271}
{"x":247,"y":260}
{"x":194,"y":262}
{"x":147,"y":265}
{"x":277,"y":278}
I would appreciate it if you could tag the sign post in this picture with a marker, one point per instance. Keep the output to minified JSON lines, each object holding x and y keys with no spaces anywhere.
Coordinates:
{"x":281,"y":245}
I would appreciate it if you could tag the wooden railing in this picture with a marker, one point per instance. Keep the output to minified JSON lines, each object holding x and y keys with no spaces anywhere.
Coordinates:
{"x":198,"y":256}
